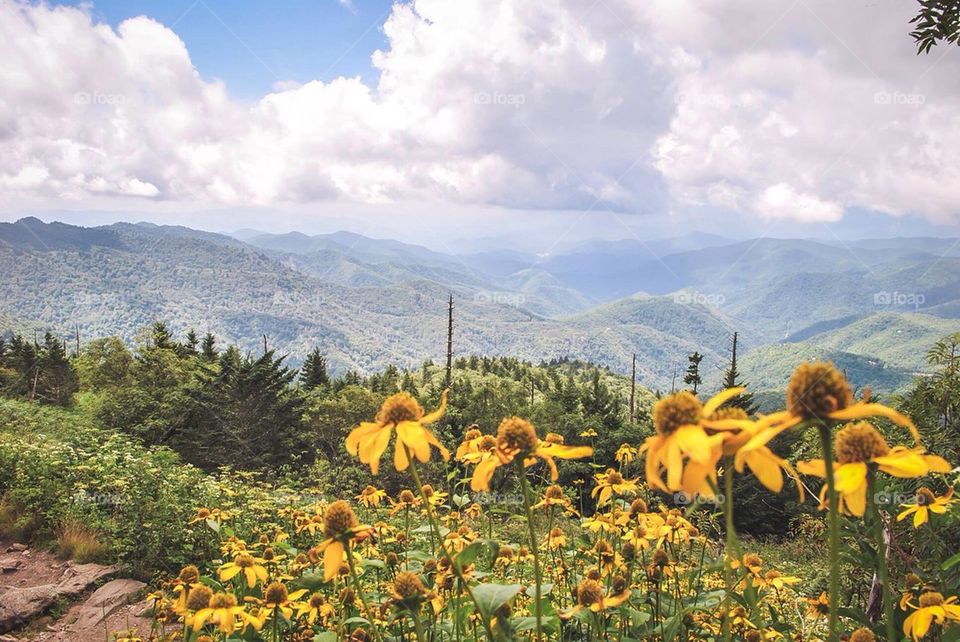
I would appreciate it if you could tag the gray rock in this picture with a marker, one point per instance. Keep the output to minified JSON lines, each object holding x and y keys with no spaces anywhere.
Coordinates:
{"x":18,"y":606}
{"x":104,"y":601}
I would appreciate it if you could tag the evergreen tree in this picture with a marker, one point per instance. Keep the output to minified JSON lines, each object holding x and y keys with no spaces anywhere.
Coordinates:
{"x":313,"y":374}
{"x":731,"y":379}
{"x":191,"y":343}
{"x":55,"y":381}
{"x":208,"y":347}
{"x":692,"y":378}
{"x":242,"y":412}
{"x":160,"y":336}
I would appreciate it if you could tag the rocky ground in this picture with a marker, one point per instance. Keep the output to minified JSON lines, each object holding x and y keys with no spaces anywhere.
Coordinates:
{"x":46,"y":599}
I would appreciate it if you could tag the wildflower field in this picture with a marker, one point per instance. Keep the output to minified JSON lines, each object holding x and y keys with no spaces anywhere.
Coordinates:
{"x":659,"y":558}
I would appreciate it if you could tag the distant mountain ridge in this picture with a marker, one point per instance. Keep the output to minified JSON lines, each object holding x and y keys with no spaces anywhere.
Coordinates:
{"x":370,"y":302}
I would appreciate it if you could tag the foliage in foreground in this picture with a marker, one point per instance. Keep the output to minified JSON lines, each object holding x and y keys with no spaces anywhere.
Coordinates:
{"x":434,"y":566}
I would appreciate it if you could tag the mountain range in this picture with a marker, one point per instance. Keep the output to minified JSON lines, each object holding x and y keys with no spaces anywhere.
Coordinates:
{"x":874,"y":306}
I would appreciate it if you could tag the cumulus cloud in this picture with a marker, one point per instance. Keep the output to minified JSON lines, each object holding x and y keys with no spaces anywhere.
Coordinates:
{"x":782,"y":112}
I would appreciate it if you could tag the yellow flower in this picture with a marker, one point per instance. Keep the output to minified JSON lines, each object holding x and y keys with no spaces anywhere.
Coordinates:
{"x":470,"y":443}
{"x":340,"y":525}
{"x":400,"y":411}
{"x":589,"y":433}
{"x":317,"y":607}
{"x":406,"y":500}
{"x":371,"y":496}
{"x":748,"y":445}
{"x":252,"y":568}
{"x":590,"y":595}
{"x":224,"y":613}
{"x":926,"y":502}
{"x":277,"y":598}
{"x":931,"y":607}
{"x":612,"y":483}
{"x":554,"y":496}
{"x":517,"y":437}
{"x":857,"y":446}
{"x":682,"y":439}
{"x":820,"y":392}
{"x":626,"y":454}
{"x":556,"y":538}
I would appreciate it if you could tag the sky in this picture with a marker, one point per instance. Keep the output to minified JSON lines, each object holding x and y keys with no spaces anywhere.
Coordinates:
{"x":482,"y":122}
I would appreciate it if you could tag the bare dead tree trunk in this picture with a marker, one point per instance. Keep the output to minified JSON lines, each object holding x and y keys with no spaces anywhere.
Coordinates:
{"x":449,"y":376}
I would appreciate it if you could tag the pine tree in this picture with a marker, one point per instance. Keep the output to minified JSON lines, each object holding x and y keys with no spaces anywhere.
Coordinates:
{"x":160,"y":335}
{"x":191,"y":342}
{"x":56,"y":380}
{"x":692,"y":378}
{"x":313,"y":373}
{"x":731,"y":379}
{"x":208,"y":347}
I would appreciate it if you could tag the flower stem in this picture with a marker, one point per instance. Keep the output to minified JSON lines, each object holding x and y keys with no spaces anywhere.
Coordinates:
{"x":882,"y":569}
{"x":833,"y":504}
{"x":731,"y":548}
{"x":443,"y":545}
{"x":525,"y":485}
{"x":360,"y":594}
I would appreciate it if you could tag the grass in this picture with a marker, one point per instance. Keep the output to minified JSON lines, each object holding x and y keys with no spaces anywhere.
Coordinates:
{"x":79,"y":543}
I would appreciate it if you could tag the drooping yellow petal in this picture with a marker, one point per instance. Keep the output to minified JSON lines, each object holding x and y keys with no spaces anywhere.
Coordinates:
{"x":855,"y":501}
{"x":483,"y":473}
{"x":867,"y":410}
{"x":850,"y":477}
{"x":412,"y":435}
{"x":719,"y":399}
{"x":438,"y":413}
{"x":365,"y":429}
{"x":816,"y":467}
{"x":766,"y":467}
{"x":902,"y":463}
{"x":332,"y":559}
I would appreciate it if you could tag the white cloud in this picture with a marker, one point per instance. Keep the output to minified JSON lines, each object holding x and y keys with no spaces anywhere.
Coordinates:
{"x":779,"y":111}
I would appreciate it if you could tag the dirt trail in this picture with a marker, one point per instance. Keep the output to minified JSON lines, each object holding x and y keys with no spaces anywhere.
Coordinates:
{"x":48,"y":600}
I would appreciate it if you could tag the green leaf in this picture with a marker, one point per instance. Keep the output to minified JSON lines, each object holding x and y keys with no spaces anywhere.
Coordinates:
{"x":469,"y":554}
{"x":951,"y":562}
{"x":490,"y":597}
{"x":326,"y":636}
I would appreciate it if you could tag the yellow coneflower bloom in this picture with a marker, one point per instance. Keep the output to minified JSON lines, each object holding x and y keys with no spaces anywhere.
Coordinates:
{"x":252,"y":568}
{"x":774,"y":579}
{"x":555,"y":496}
{"x":400,"y":411}
{"x":681,"y":437}
{"x":435,"y":497}
{"x":625,"y":454}
{"x":340,"y":525}
{"x":471,"y":440}
{"x":406,"y":500}
{"x":517,"y":437}
{"x":819,"y":606}
{"x":857,"y":446}
{"x":276,"y":598}
{"x":601,"y":522}
{"x":589,"y":433}
{"x":818,"y":392}
{"x":371,"y":496}
{"x":746,"y":440}
{"x":926,"y":502}
{"x":931,"y":608}
{"x":591,"y":595}
{"x":225,"y":614}
{"x":612,"y":483}
{"x":316,"y":608}
{"x":209,"y":515}
{"x":556,"y":538}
